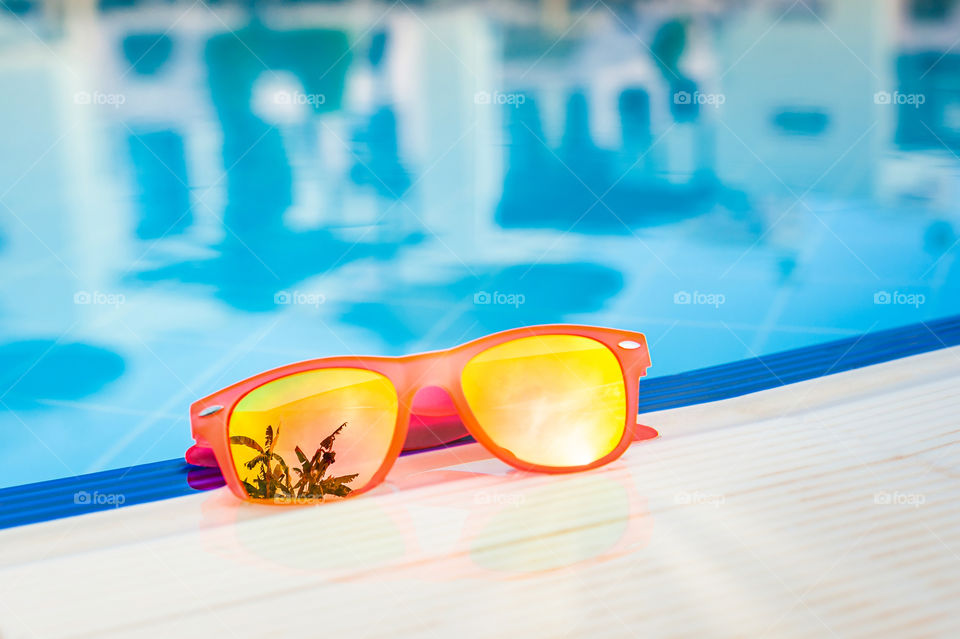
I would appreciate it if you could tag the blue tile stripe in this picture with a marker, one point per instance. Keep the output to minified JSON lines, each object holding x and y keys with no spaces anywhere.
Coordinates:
{"x":44,"y":501}
{"x":788,"y":367}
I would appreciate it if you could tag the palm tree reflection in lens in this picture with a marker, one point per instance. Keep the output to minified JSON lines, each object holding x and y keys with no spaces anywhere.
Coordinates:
{"x":273,"y":479}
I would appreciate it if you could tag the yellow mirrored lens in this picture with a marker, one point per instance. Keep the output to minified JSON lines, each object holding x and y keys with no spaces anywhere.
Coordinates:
{"x":551,"y":400}
{"x":313,"y":435}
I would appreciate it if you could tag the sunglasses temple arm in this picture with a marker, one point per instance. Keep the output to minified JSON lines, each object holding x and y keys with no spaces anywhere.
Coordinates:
{"x":642,"y":433}
{"x":200,"y":455}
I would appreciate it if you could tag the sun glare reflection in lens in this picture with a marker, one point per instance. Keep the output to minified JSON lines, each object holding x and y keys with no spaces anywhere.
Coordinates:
{"x":551,"y":400}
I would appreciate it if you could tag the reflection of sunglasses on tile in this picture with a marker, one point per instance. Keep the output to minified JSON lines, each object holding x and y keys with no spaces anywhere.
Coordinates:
{"x":480,"y":529}
{"x":552,"y":399}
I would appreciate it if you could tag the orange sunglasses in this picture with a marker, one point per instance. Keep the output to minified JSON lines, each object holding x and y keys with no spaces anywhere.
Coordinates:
{"x":554,"y":399}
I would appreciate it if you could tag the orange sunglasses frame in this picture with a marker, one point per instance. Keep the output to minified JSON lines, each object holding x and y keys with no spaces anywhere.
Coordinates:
{"x":210,"y":416}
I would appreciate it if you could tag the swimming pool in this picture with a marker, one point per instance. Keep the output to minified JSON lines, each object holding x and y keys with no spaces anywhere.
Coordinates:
{"x":190,"y":195}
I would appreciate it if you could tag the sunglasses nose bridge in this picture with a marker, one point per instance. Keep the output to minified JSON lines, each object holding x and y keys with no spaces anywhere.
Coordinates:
{"x":434,"y":420}
{"x":431,"y":372}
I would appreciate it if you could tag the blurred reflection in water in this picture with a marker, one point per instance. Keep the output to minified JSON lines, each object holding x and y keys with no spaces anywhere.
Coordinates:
{"x":434,"y":173}
{"x":377,"y":153}
{"x":259,"y":246}
{"x":258,"y":173}
{"x":935,"y":123}
{"x":34,"y":372}
{"x":160,"y":170}
{"x":499,"y":299}
{"x":378,"y":163}
{"x":591,"y":193}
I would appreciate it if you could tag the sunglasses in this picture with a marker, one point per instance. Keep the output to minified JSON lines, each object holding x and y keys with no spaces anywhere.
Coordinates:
{"x":551,"y":399}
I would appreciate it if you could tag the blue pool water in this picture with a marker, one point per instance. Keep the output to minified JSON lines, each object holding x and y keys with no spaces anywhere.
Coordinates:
{"x":190,"y":195}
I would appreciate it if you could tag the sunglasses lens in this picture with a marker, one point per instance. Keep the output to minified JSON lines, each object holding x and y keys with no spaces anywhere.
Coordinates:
{"x":313,"y":435}
{"x":551,"y":400}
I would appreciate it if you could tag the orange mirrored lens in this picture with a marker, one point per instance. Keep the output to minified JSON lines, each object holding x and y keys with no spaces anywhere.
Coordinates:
{"x":551,"y":400}
{"x":313,"y":435}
